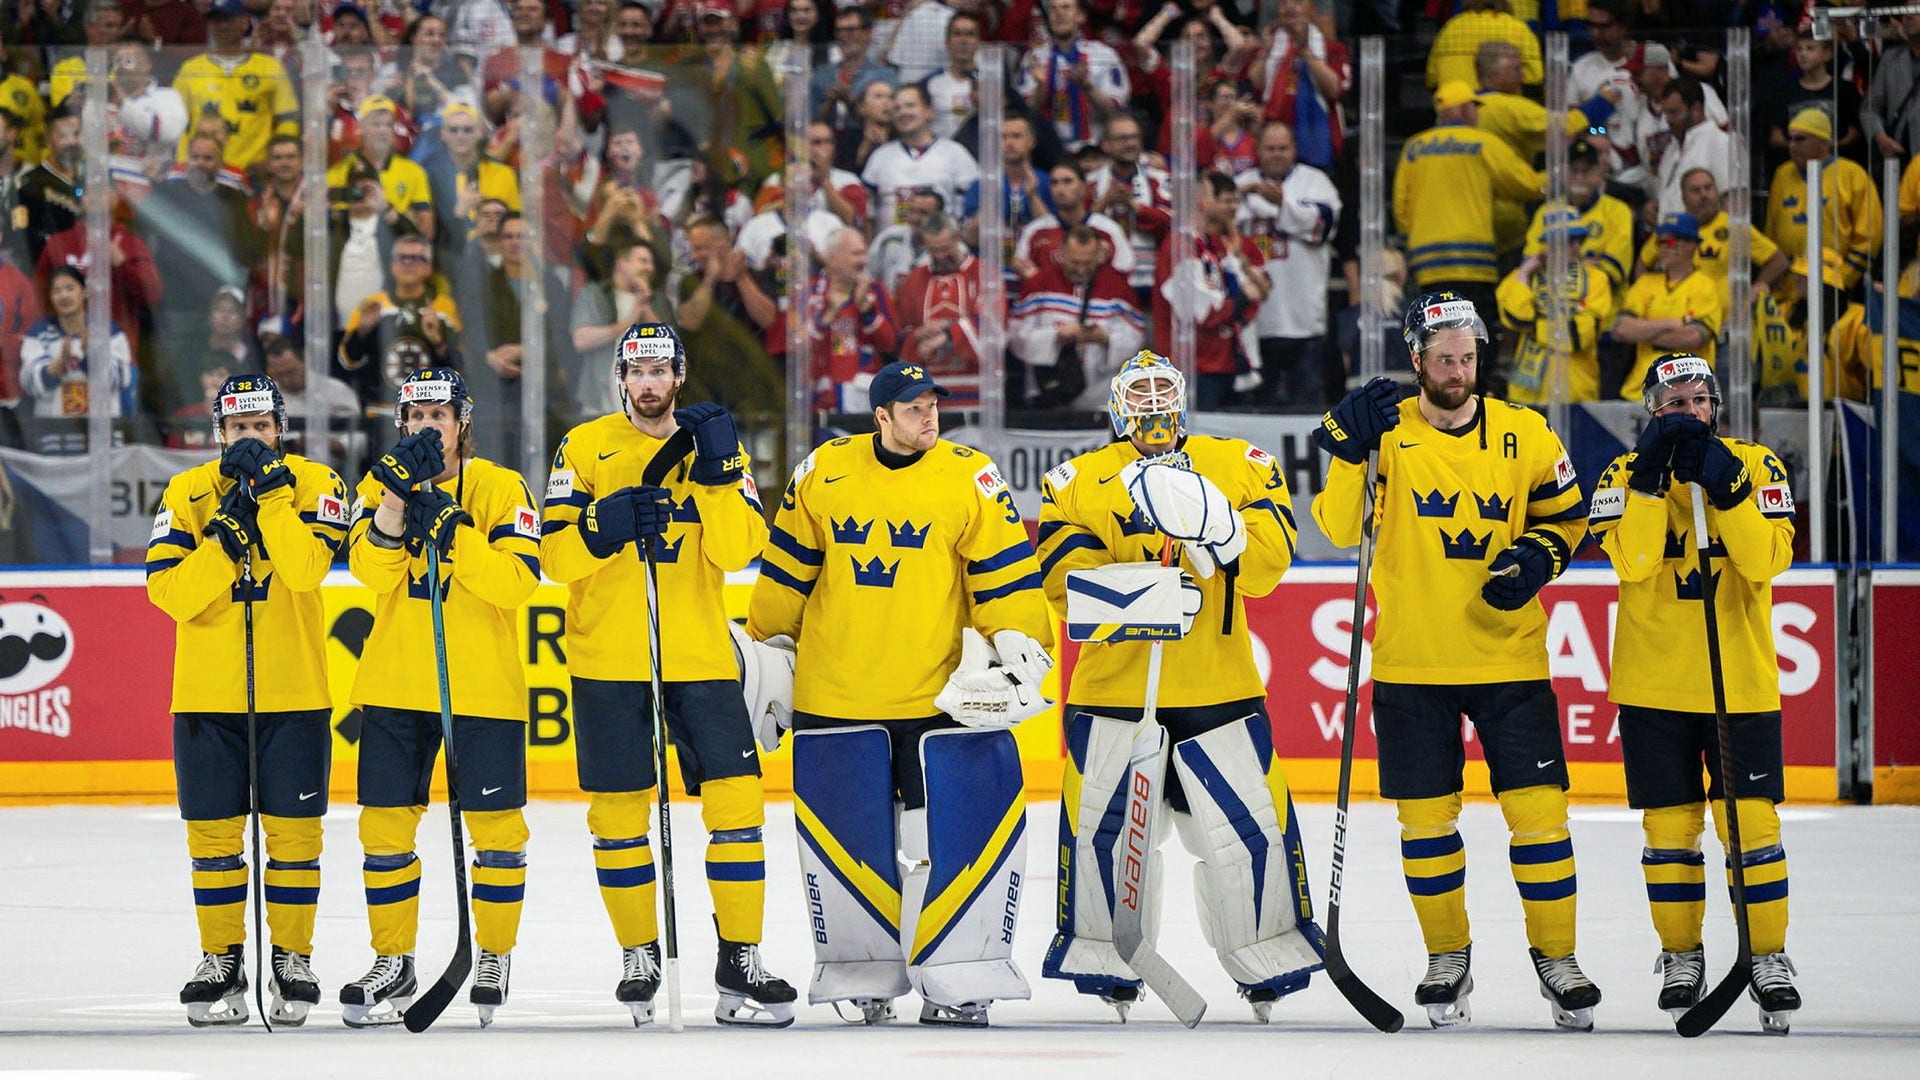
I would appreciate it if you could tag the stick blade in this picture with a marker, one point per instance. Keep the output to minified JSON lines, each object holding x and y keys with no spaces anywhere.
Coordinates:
{"x":1168,"y":985}
{"x":428,"y":1006}
{"x":1707,"y":1012}
{"x":1371,"y":1006}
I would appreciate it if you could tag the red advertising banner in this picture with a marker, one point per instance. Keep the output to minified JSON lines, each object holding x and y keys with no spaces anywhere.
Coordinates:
{"x":1896,"y":685}
{"x":86,"y":668}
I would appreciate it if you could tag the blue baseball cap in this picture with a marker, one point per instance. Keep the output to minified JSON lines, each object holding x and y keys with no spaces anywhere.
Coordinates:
{"x":901,"y":381}
{"x":226,"y":9}
{"x":1682,"y":225}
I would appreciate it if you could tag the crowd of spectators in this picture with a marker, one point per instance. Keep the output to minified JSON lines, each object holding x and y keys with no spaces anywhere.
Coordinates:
{"x":658,"y":133}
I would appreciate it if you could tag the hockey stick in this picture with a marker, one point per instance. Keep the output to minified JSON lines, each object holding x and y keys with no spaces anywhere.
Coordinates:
{"x":1129,"y":902}
{"x":670,"y":931}
{"x":1358,"y":994}
{"x":1708,"y":1010}
{"x":261,"y":970}
{"x":428,"y":1006}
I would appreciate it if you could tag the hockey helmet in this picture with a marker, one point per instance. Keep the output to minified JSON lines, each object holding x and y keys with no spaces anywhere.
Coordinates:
{"x":433,"y":385}
{"x":248,"y":395}
{"x":1431,"y":313}
{"x":1148,"y":400}
{"x":1675,"y":369}
{"x":649,"y":341}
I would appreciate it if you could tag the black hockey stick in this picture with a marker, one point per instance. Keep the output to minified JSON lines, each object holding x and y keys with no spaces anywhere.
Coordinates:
{"x":428,"y":1006}
{"x":670,"y":928}
{"x":671,"y":453}
{"x":1370,"y":1005}
{"x":1708,"y":1011}
{"x":261,"y":970}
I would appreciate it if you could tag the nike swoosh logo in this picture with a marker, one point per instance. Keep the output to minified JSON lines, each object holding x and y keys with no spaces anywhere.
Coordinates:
{"x":1408,"y":445}
{"x":488,"y":790}
{"x":608,"y":454}
{"x":1544,"y":764}
{"x":746,"y":753}
{"x":833,"y":479}
{"x":197,"y":498}
{"x":1756,"y":776}
{"x":308,"y":795}
{"x":1110,"y":479}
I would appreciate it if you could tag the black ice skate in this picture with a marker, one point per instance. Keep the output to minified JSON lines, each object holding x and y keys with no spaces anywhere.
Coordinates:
{"x":750,"y":995}
{"x":1445,"y":987}
{"x":490,"y":984}
{"x":967,"y":1014}
{"x":216,"y":996}
{"x":382,"y":995}
{"x":1683,"y":980}
{"x":639,"y":980}
{"x":1773,"y":988}
{"x":1568,"y":989}
{"x":295,"y":990}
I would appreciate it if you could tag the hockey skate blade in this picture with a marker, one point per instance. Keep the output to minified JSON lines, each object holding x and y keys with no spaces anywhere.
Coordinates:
{"x":873,"y":1011}
{"x":1451,"y":1014}
{"x":738,"y":1010}
{"x":227,"y":1012}
{"x":1569,"y":1019}
{"x":369,"y":1016}
{"x":1776,"y":1023}
{"x":286,"y":1013}
{"x":953,"y":1016}
{"x":486,"y":1015}
{"x":642,"y":1012}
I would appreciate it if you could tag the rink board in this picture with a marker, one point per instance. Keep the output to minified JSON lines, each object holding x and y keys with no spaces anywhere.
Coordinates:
{"x":93,"y":722}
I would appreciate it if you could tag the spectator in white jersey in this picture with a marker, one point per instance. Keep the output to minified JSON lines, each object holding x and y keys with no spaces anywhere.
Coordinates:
{"x":1135,"y":194}
{"x":1289,"y":210}
{"x":951,"y":88}
{"x":1072,"y":81}
{"x":916,"y":158}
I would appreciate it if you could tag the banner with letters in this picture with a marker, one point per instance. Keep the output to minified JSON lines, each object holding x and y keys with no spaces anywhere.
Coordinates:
{"x":86,"y":666}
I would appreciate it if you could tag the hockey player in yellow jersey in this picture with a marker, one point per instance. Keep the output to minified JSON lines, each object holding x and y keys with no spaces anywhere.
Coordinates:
{"x":208,"y":554}
{"x":1227,"y":791}
{"x":1526,"y":305}
{"x":704,"y":519}
{"x":430,"y":489}
{"x":1478,"y":509}
{"x":1643,"y":514}
{"x":889,"y":553}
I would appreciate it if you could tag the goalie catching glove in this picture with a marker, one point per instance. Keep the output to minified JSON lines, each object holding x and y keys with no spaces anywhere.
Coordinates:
{"x":984,"y":692}
{"x":766,"y":681}
{"x":1190,"y":508}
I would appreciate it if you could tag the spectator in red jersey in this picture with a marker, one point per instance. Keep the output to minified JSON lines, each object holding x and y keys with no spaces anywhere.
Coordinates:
{"x":1073,"y":326}
{"x":850,"y":324}
{"x":940,"y":311}
{"x":1067,"y":184}
{"x":1306,"y":74}
{"x":19,"y":310}
{"x":1220,"y":288}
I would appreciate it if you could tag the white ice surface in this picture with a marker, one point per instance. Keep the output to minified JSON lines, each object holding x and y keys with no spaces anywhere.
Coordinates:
{"x":96,"y":936}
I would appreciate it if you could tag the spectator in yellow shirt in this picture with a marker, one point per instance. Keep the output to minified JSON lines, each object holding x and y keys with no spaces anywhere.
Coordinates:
{"x":1460,"y":39}
{"x":1676,"y":310}
{"x":1850,"y":215}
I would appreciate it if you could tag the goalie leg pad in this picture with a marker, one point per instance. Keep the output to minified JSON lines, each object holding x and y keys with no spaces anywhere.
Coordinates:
{"x":849,"y":863}
{"x":1251,"y":881}
{"x":965,"y":902}
{"x":1093,"y":806}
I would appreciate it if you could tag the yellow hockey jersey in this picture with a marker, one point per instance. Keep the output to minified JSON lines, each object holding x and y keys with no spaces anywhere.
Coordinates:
{"x":875,"y":570}
{"x":491,"y":570}
{"x":1448,"y":505}
{"x":1609,"y":242}
{"x":1659,"y":637}
{"x":1088,"y":519}
{"x":714,"y":530}
{"x":403,"y":182}
{"x":1850,"y":218}
{"x":1694,"y":298}
{"x":191,"y":579}
{"x":1526,"y":306}
{"x":21,"y":97}
{"x":1443,"y":196}
{"x":254,"y":96}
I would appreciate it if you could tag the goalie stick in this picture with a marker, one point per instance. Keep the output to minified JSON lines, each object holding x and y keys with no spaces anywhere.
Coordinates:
{"x":1708,"y":1010}
{"x":1143,"y":792}
{"x":1370,"y":1005}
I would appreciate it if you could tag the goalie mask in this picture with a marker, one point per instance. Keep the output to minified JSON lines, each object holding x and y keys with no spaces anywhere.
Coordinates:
{"x":1679,"y":369}
{"x":1431,"y":313}
{"x":248,"y":395}
{"x":432,"y":386}
{"x":1148,"y":401}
